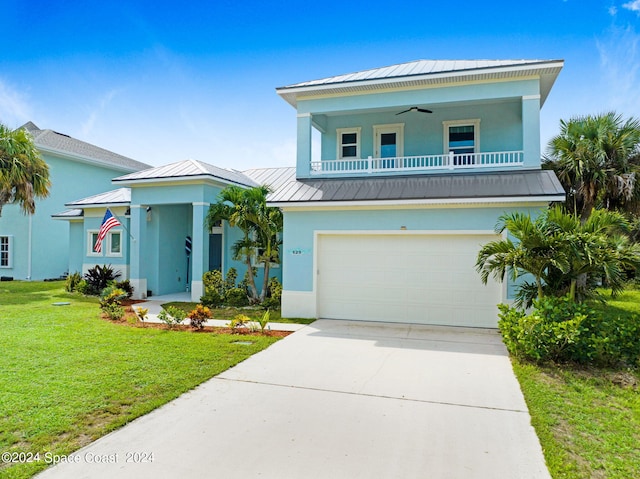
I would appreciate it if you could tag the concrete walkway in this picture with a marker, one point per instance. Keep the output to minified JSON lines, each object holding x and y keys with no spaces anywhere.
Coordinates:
{"x":338,"y":399}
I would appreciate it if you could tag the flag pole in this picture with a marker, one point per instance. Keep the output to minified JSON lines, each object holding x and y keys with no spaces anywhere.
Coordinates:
{"x":122,"y":224}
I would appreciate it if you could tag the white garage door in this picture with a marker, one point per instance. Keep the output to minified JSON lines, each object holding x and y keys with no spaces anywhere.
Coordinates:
{"x":427,"y":279}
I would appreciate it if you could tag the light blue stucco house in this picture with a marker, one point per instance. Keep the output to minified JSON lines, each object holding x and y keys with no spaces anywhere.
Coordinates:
{"x":159,"y":207}
{"x":35,"y":246}
{"x":417,"y":163}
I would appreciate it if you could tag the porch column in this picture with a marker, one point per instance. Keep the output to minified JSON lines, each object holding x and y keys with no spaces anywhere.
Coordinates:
{"x":200,"y":249}
{"x":137,"y":238}
{"x":531,"y":130}
{"x":303,"y":158}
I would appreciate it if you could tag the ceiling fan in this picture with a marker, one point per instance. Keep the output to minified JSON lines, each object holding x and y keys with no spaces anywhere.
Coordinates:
{"x":415,"y":108}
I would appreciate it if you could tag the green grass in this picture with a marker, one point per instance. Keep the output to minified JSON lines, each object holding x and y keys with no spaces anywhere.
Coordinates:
{"x":587,"y":419}
{"x":69,"y":377}
{"x":229,"y":312}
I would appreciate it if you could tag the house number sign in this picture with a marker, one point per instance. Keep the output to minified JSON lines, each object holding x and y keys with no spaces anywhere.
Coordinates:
{"x":298,"y":251}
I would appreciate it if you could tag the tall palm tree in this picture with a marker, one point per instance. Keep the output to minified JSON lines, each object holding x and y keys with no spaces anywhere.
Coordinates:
{"x":597,"y":159}
{"x":246,"y":209}
{"x":24,"y":176}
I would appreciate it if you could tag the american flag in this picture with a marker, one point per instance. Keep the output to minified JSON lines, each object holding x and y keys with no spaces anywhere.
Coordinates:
{"x":109,"y":221}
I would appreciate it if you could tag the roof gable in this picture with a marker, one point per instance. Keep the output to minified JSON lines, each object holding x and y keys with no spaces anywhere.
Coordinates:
{"x":186,"y":170}
{"x":425,"y":73}
{"x":49,"y":141}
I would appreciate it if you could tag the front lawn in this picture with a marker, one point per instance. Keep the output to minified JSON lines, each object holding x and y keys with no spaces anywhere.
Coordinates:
{"x":587,"y":419}
{"x":68,"y":377}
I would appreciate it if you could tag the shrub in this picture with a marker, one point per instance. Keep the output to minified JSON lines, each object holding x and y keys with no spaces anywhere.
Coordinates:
{"x":83,"y":287}
{"x":141,"y":313}
{"x":230,"y":279}
{"x":264,"y":320}
{"x":274,"y":300}
{"x":211,"y":299}
{"x":198,"y":316}
{"x":172,"y":316}
{"x":236,"y":297}
{"x":125,"y":286}
{"x":99,"y":277}
{"x":114,"y":311}
{"x":72,"y":282}
{"x":111,"y":295}
{"x":560,"y":329}
{"x":239,"y":321}
{"x":213,"y":282}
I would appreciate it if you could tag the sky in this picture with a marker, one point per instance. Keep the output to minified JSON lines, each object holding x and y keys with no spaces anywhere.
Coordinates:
{"x":162,"y":81}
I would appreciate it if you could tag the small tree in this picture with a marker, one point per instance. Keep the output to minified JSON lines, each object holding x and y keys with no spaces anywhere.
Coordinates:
{"x":246,"y":209}
{"x":24,"y":176}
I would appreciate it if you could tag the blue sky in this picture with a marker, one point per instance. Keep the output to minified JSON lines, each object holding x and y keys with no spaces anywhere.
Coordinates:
{"x":163,"y":81}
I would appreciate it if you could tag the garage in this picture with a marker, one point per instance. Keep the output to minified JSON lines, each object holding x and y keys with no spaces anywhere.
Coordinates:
{"x":410,"y":278}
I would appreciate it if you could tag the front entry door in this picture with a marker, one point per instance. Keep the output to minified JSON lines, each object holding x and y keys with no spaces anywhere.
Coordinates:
{"x":215,"y":252}
{"x":388,"y":144}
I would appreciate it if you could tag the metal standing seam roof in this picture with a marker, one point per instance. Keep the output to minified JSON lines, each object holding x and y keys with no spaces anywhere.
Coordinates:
{"x":113,"y":197}
{"x":444,"y":187}
{"x":274,"y":178}
{"x":68,"y":214}
{"x":187,"y":169}
{"x":426,"y":72}
{"x":52,"y":141}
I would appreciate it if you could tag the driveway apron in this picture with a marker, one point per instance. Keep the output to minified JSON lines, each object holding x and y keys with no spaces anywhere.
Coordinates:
{"x":338,"y":399}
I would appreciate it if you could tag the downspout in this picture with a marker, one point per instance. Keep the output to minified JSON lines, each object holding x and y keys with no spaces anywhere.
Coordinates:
{"x":29,"y":248}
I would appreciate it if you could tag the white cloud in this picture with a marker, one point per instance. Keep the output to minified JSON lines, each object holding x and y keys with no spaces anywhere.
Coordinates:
{"x":634,"y":6}
{"x":14,"y":107}
{"x":103,"y":103}
{"x":620,"y":68}
{"x":613,"y":11}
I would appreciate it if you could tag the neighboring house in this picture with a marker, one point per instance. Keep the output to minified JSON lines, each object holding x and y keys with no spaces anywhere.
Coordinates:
{"x":158,"y":208}
{"x":418,"y":161}
{"x":35,"y":246}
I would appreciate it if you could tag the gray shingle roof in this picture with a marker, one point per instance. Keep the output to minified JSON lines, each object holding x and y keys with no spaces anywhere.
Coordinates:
{"x":113,"y":197}
{"x":436,"y":187}
{"x":54,"y":142}
{"x":187,"y":169}
{"x":426,"y":72}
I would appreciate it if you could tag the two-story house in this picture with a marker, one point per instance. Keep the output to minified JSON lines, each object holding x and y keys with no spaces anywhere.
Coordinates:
{"x":417,"y":163}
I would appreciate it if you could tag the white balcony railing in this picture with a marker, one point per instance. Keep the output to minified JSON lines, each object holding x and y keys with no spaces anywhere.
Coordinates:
{"x":420,"y":163}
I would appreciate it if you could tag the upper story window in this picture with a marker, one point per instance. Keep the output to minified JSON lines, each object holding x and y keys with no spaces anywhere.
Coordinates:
{"x":462,"y":137}
{"x":348,"y":143}
{"x":5,"y":251}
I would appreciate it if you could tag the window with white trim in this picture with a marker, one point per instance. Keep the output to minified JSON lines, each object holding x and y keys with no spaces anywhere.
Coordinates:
{"x":114,"y":243}
{"x":6,"y":244}
{"x":92,"y":237}
{"x":348,"y":143}
{"x":462,"y":137}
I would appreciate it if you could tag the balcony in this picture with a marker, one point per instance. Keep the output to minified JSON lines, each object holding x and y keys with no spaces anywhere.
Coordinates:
{"x":410,"y":164}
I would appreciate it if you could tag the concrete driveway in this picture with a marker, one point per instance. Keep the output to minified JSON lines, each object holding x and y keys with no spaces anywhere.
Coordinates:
{"x":338,"y":399}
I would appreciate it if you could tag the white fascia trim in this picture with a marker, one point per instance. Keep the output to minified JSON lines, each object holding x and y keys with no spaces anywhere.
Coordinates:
{"x":405,"y":232}
{"x":531,"y":97}
{"x":303,"y":115}
{"x":81,"y":206}
{"x":453,"y":201}
{"x":195,"y":179}
{"x":532,"y":69}
{"x":200,"y":203}
{"x":84,"y":159}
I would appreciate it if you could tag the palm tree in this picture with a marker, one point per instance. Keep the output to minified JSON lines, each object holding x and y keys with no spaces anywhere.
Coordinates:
{"x":597,"y":160}
{"x":246,"y":209}
{"x":24,"y":176}
{"x":535,"y":252}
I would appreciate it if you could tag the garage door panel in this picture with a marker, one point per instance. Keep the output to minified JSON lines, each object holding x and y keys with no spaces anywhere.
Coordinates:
{"x":428,"y":279}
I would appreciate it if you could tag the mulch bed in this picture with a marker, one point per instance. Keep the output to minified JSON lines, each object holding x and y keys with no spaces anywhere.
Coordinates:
{"x":130,"y":319}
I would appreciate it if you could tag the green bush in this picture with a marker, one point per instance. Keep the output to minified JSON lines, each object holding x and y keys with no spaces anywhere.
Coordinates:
{"x":274,"y":298}
{"x":73,"y":279}
{"x":112,"y":295}
{"x":99,"y":277}
{"x":236,"y":297}
{"x":114,"y":311}
{"x":172,"y":316}
{"x":125,"y":286}
{"x":230,"y":279}
{"x":559,"y":329}
{"x":83,"y":287}
{"x":198,"y":316}
{"x":211,"y":299}
{"x":212,"y":281}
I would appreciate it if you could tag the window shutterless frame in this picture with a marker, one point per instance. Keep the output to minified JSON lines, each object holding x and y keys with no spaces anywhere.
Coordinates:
{"x":348,"y":141}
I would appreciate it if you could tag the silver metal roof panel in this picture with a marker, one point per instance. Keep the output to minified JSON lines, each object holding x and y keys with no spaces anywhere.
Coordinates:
{"x":119,"y":196}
